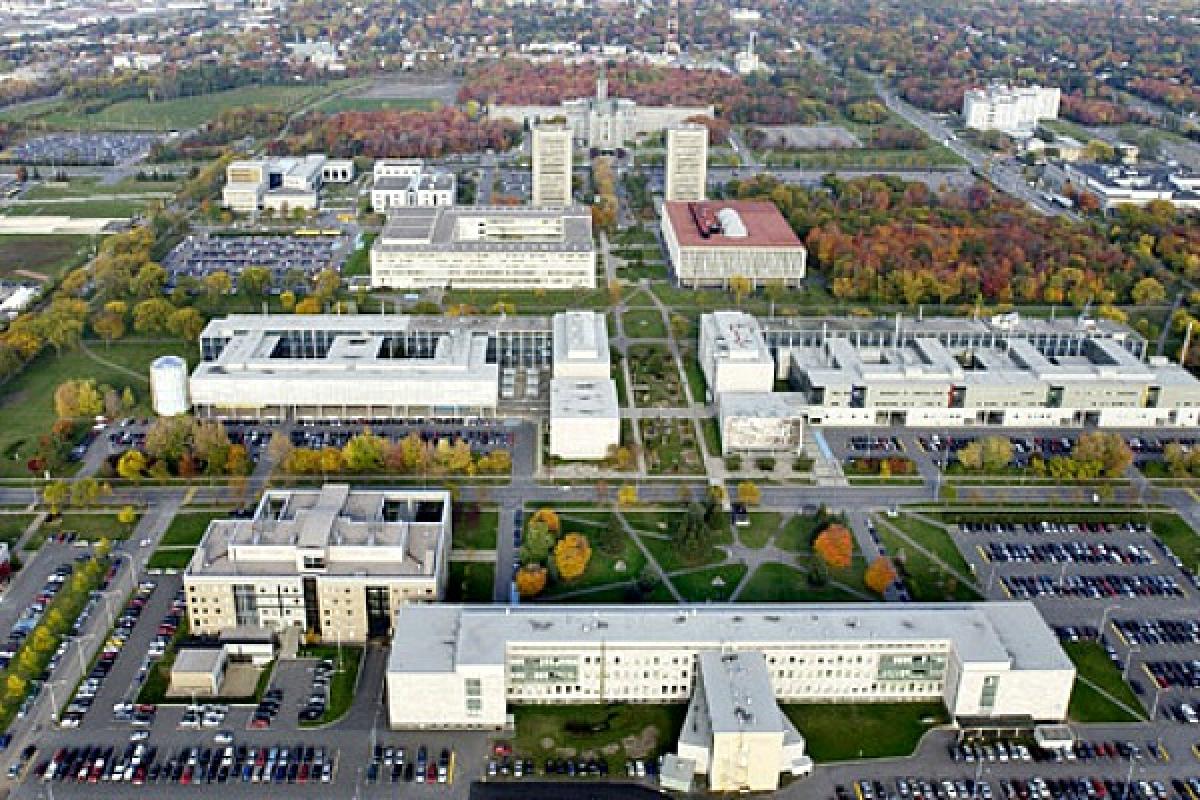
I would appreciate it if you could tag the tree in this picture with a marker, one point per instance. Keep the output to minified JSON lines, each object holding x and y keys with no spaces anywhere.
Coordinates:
{"x":216,"y":284}
{"x":879,"y":575}
{"x":168,"y":438}
{"x":237,"y":460}
{"x":309,"y":305}
{"x":539,"y":541}
{"x":74,"y":399}
{"x":971,"y":456}
{"x":364,"y":453}
{"x":131,"y":465}
{"x":127,"y":516}
{"x":571,"y":556}
{"x":152,"y":316}
{"x":627,"y":496}
{"x":85,"y":492}
{"x":740,"y":285}
{"x":255,"y":280}
{"x":997,"y":453}
{"x":835,"y":546}
{"x":550,"y":518}
{"x":531,"y":580}
{"x":331,"y":460}
{"x":186,"y":323}
{"x":287,"y":301}
{"x":1148,"y":291}
{"x":109,"y":326}
{"x":748,"y":493}
{"x":55,"y":494}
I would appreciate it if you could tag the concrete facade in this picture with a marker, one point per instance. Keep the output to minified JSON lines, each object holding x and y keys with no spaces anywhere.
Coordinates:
{"x":687,"y":163}
{"x":711,"y":242}
{"x":409,"y":182}
{"x":1008,"y":109}
{"x":551,"y":155}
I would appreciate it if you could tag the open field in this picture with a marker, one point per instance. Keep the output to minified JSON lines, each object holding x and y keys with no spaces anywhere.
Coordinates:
{"x":925,"y":578}
{"x":27,"y":401}
{"x":881,"y":730}
{"x":359,"y":103}
{"x":80,"y":208}
{"x":12,"y":526}
{"x":470,"y":582}
{"x":780,"y":583}
{"x":184,"y":112}
{"x":89,"y":185}
{"x":1088,"y":705}
{"x":475,"y":529}
{"x":597,"y":731}
{"x":50,"y":256}
{"x":699,"y":586}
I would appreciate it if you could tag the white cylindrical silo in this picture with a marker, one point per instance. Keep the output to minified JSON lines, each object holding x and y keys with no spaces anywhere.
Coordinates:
{"x":168,"y":386}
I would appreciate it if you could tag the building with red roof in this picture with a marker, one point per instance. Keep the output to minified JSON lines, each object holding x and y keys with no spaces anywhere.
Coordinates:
{"x":709,"y":242}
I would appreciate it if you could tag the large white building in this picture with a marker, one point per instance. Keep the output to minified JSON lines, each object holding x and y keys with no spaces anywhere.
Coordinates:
{"x":1008,"y":109}
{"x":485,"y":247}
{"x":948,"y":372}
{"x":281,"y":184}
{"x":687,"y":163}
{"x":407,"y":182}
{"x":603,"y":122}
{"x":375,"y":367}
{"x":710,"y":242}
{"x":981,"y":660}
{"x":335,"y":562}
{"x":551,"y":156}
{"x":1115,"y":185}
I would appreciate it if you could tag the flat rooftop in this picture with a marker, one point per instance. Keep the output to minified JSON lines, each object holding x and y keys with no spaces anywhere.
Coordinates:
{"x":736,"y":335}
{"x":491,"y":228}
{"x":437,"y":638}
{"x":710,"y":223}
{"x":356,"y":532}
{"x":581,"y":337}
{"x":584,"y":398}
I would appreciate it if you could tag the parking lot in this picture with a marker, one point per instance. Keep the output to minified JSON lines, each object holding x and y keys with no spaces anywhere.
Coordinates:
{"x":84,"y":148}
{"x":292,"y":260}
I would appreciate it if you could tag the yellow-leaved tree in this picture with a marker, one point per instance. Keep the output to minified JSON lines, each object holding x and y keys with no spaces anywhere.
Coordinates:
{"x":531,"y":579}
{"x":571,"y":556}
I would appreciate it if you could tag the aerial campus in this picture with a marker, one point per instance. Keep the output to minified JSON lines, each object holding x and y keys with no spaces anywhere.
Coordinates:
{"x":487,"y":400}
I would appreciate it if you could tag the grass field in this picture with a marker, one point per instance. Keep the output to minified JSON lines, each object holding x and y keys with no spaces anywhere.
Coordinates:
{"x":763,"y":525}
{"x":697,"y":587}
{"x":183,"y":112}
{"x":87,"y":526}
{"x":1179,"y":536}
{"x":470,"y":582}
{"x":167,"y":558}
{"x":644,"y":324}
{"x":925,"y":578}
{"x":612,"y":561}
{"x":475,"y":531}
{"x":13,"y":525}
{"x":27,"y":401}
{"x":180,"y":539}
{"x":881,"y":730}
{"x":359,"y":262}
{"x":81,"y":208}
{"x":780,"y":583}
{"x":88,"y":185}
{"x":335,"y":104}
{"x":1088,"y":705}
{"x":51,"y":256}
{"x":583,"y":731}
{"x":797,"y":534}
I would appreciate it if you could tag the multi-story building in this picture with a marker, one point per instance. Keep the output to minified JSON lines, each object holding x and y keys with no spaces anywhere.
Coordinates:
{"x":485,"y":247}
{"x":603,"y":122}
{"x":687,"y":163}
{"x":335,"y":562}
{"x":551,"y":155}
{"x":1003,"y":371}
{"x":982,"y":660}
{"x":1012,"y":110}
{"x":377,"y":367}
{"x":1115,"y":185}
{"x":710,"y":242}
{"x":408,"y":182}
{"x":281,"y":184}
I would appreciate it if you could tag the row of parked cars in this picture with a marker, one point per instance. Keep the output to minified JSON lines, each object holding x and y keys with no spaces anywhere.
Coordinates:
{"x":318,"y":695}
{"x":138,"y":764}
{"x":31,"y":615}
{"x":1034,"y":788}
{"x":85,"y":693}
{"x":267,"y":709}
{"x":1025,"y":587}
{"x":391,"y":764}
{"x":1148,"y":632}
{"x":1082,"y":750}
{"x":1179,"y":674}
{"x":1046,"y":527}
{"x":1066,"y":553}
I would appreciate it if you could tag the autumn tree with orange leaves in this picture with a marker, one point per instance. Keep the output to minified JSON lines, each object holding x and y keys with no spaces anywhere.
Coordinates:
{"x":880,"y":575}
{"x":835,"y":546}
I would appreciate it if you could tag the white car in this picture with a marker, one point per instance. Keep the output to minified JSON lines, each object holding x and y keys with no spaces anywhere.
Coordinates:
{"x":139,"y":735}
{"x":223,"y":737}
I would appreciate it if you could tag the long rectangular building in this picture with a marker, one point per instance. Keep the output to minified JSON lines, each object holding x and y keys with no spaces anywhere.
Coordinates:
{"x":947,"y":372}
{"x":982,"y":660}
{"x":485,"y":247}
{"x":333,"y":562}
{"x":708,"y":243}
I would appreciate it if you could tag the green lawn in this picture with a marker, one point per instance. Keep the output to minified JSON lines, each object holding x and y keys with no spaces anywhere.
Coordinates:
{"x":672,"y":557}
{"x":88,"y":526}
{"x":79,"y":208}
{"x":671,"y":447}
{"x":475,"y":530}
{"x":470,"y":582}
{"x":1179,"y":536}
{"x":530,"y":302}
{"x":335,"y":104}
{"x":927,"y":581}
{"x":590,"y":729}
{"x":780,"y":583}
{"x":175,"y":558}
{"x":49,"y":256}
{"x":345,"y":679}
{"x":1088,"y":705}
{"x":89,"y":185}
{"x":13,"y":525}
{"x":712,"y":435}
{"x":695,"y":379}
{"x":655,"y":376}
{"x":188,"y":528}
{"x":880,"y":730}
{"x":158,"y":679}
{"x":606,"y":556}
{"x":185,"y":112}
{"x":797,"y":534}
{"x":763,"y":525}
{"x":27,"y":401}
{"x":359,"y":262}
{"x":644,"y":324}
{"x":697,"y":587}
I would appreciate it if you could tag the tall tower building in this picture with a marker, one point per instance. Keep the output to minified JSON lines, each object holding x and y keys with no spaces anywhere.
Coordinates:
{"x":551,"y":165}
{"x":687,"y":162}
